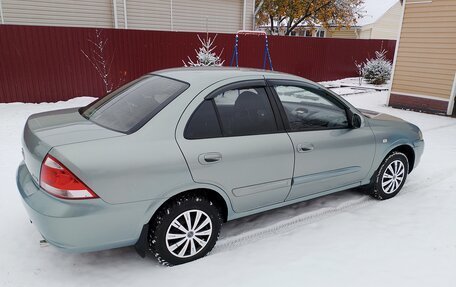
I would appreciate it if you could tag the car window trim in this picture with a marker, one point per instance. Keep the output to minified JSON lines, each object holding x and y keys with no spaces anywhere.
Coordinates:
{"x":277,"y":109}
{"x":217,"y":114}
{"x":236,"y":85}
{"x":284,"y":82}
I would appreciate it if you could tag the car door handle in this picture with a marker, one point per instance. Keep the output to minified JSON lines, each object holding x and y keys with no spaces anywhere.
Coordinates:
{"x":211,"y":157}
{"x":307,"y":147}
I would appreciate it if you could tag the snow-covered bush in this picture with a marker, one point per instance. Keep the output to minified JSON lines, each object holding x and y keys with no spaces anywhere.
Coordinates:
{"x":377,"y":71}
{"x":205,"y":56}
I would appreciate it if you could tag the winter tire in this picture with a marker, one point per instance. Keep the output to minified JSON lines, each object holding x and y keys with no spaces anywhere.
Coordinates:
{"x":184,"y":230}
{"x":391,"y":176}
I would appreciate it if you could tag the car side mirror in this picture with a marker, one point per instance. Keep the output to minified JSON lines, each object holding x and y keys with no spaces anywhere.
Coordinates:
{"x":354,"y":120}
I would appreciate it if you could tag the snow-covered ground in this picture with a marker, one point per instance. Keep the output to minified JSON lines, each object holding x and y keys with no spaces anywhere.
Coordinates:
{"x":354,"y":85}
{"x":344,"y":239}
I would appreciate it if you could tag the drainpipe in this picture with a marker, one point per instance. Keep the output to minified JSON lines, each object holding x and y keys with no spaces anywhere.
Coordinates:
{"x":452,"y":98}
{"x":244,"y":10}
{"x":2,"y":20}
{"x":172,"y":24}
{"x":253,"y":16}
{"x":125,"y":13}
{"x":114,"y":6}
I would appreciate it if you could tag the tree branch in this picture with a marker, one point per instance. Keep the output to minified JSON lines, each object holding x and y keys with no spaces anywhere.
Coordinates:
{"x":307,"y":15}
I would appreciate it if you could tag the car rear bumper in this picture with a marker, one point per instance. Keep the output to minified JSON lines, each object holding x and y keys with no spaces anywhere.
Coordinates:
{"x":81,"y":225}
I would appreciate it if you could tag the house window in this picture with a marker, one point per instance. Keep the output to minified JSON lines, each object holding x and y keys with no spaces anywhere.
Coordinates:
{"x":308,"y":33}
{"x":320,"y":34}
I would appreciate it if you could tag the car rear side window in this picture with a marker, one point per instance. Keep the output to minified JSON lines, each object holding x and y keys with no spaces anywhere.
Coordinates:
{"x":203,"y":123}
{"x":245,"y":112}
{"x":128,"y":108}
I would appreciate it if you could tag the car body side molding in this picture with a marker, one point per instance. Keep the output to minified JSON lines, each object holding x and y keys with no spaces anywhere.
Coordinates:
{"x":325,"y":175}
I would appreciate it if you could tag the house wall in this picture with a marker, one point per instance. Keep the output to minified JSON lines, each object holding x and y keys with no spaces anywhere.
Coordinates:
{"x":82,"y":13}
{"x":150,"y":15}
{"x":223,"y":16}
{"x":343,"y":33}
{"x":365,"y":32}
{"x":218,"y":15}
{"x":387,"y":27}
{"x":426,"y":60}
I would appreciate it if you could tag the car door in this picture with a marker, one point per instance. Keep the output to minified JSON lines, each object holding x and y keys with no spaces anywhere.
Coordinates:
{"x":231,"y":138}
{"x":329,"y":153}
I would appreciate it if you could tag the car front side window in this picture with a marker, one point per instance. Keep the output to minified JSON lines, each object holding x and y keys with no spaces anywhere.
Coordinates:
{"x":309,"y":109}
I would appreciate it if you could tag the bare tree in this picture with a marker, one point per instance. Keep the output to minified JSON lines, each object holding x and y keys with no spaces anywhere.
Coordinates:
{"x":97,"y":56}
{"x":359,"y":69}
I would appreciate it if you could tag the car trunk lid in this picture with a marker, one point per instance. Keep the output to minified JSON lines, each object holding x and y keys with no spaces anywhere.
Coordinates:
{"x":43,"y":131}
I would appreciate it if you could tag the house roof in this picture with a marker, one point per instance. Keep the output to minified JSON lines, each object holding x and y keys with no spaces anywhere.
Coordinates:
{"x":373,"y":10}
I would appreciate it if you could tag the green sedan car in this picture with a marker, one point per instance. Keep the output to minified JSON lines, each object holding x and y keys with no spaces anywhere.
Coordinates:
{"x":163,"y":161}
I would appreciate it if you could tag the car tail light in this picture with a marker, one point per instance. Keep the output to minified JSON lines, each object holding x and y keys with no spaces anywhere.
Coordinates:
{"x":57,"y":180}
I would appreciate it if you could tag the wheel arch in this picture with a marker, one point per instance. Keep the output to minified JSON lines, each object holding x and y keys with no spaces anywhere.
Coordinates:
{"x":408,"y":151}
{"x":211,"y":194}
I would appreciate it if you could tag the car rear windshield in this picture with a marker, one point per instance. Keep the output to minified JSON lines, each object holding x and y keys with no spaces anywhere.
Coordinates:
{"x":128,"y":108}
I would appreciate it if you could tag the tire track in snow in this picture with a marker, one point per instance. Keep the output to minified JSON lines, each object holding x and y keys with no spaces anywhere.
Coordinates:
{"x":294,"y":223}
{"x":287,"y":225}
{"x":440,"y":127}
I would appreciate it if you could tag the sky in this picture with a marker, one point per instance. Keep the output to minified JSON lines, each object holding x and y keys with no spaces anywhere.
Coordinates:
{"x":374,"y":9}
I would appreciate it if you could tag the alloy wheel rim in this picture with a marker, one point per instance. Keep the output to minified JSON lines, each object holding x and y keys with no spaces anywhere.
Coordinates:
{"x":188,"y":233}
{"x":393,"y":176}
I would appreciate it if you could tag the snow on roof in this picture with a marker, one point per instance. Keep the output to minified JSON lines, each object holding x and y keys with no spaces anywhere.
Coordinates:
{"x":372,"y":10}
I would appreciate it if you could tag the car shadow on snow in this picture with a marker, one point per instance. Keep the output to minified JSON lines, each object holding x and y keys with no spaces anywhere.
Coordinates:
{"x":284,"y":215}
{"x":127,"y":256}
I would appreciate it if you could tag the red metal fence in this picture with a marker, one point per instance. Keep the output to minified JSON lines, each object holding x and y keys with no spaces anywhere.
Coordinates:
{"x":58,"y":63}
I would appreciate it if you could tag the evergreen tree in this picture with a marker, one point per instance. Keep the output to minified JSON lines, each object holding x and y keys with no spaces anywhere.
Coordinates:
{"x":205,"y":56}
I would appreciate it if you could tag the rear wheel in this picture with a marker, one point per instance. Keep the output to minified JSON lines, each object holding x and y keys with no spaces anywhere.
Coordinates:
{"x":390,"y":177}
{"x":184,"y":230}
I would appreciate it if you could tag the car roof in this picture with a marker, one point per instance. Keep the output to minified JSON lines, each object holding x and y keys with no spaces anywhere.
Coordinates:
{"x":214,"y":74}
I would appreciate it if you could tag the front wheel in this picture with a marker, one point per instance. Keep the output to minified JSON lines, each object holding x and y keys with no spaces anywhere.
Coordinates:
{"x":391,"y":176}
{"x":184,"y":230}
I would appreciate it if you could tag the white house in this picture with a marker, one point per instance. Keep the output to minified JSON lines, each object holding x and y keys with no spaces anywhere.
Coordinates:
{"x":382,"y":20}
